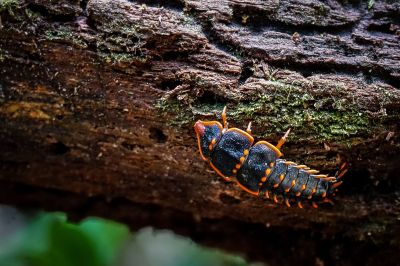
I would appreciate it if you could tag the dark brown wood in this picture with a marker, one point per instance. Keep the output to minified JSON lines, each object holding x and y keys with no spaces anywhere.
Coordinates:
{"x":98,"y":98}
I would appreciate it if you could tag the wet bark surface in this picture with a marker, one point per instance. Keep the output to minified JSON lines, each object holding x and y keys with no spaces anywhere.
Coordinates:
{"x":98,"y":100}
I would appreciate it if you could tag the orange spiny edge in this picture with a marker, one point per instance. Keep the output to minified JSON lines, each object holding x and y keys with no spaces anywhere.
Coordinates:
{"x":255,"y":193}
{"x":299,"y":205}
{"x":267,"y":194}
{"x":287,"y":202}
{"x":272,"y":147}
{"x":335,"y":185}
{"x":227,"y":179}
{"x":275,"y":199}
{"x":314,"y":205}
{"x":328,"y":201}
{"x":207,"y":123}
{"x":244,"y":133}
{"x":301,"y":166}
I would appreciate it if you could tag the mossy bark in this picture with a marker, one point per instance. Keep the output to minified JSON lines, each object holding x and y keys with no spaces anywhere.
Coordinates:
{"x":98,"y":99}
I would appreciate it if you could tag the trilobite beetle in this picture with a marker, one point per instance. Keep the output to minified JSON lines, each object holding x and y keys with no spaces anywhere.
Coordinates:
{"x":258,"y":169}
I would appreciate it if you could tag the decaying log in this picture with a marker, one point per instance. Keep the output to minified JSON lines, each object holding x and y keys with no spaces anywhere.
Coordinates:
{"x":98,"y":98}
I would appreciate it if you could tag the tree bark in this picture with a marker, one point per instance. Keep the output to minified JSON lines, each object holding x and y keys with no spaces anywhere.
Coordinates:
{"x":98,"y":99}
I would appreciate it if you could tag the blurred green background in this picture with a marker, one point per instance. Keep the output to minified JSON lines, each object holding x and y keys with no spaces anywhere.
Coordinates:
{"x":49,"y":239}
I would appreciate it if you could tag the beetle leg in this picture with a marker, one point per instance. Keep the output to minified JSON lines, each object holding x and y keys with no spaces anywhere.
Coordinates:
{"x":224,"y":118}
{"x":283,"y":139}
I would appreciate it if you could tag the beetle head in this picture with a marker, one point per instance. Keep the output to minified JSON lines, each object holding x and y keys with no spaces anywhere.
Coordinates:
{"x":208,"y":134}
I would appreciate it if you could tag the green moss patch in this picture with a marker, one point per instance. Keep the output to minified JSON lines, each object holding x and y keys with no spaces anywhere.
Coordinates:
{"x":277,"y":109}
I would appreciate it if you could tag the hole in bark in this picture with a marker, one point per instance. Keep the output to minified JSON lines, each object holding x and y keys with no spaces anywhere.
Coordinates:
{"x":59,"y":148}
{"x":228,"y":199}
{"x":247,"y":72}
{"x":158,"y":135}
{"x":210,"y":98}
{"x":168,"y":85}
{"x":384,"y":28}
{"x":171,"y":4}
{"x":42,"y":10}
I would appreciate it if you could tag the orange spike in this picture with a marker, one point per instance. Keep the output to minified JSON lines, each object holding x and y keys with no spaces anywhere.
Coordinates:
{"x":263,"y":179}
{"x":328,"y":201}
{"x":237,"y":166}
{"x":299,"y":205}
{"x":335,"y":185}
{"x":281,"y":177}
{"x":267,"y":194}
{"x":342,"y":173}
{"x":313,"y":191}
{"x":275,"y":199}
{"x":323,"y":194}
{"x":246,"y":152}
{"x":303,"y":187}
{"x":241,"y":159}
{"x":268,"y":171}
{"x":298,"y":194}
{"x":234,"y":171}
{"x":314,"y":205}
{"x":276,"y":185}
{"x":287,"y":203}
{"x":271,"y":165}
{"x":293,"y":183}
{"x":313,"y":171}
{"x":287,"y":189}
{"x":320,"y":176}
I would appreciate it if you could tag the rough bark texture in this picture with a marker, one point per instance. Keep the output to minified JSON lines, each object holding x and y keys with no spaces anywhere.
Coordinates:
{"x":98,"y":99}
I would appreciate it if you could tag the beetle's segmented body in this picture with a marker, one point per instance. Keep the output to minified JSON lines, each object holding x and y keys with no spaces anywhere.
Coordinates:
{"x":258,"y":169}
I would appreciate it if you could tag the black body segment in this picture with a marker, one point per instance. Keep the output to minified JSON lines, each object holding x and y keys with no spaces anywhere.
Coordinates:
{"x":302,"y":178}
{"x":291,"y":174}
{"x":311,"y":187}
{"x":322,"y":188}
{"x":228,"y":151}
{"x":279,"y":169}
{"x":253,"y":168}
{"x":212,"y":130}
